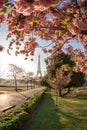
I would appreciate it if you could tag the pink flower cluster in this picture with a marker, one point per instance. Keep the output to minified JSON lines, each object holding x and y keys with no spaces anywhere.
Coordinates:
{"x":73,"y":30}
{"x":2,"y":4}
{"x":30,"y":46}
{"x":1,"y":48}
{"x":27,"y":7}
{"x":80,"y":60}
{"x":80,"y":24}
{"x":2,"y":18}
{"x":44,"y":50}
{"x":69,"y":49}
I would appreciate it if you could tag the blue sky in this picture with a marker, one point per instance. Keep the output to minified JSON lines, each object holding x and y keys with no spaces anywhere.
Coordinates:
{"x":76,"y":45}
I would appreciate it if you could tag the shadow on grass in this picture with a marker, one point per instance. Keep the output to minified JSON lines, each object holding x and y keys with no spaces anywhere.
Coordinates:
{"x":46,"y":118}
{"x":70,"y":114}
{"x":73,"y":122}
{"x":82,"y":96}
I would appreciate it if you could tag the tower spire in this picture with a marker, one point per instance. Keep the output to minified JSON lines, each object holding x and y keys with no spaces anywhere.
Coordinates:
{"x":39,"y":73}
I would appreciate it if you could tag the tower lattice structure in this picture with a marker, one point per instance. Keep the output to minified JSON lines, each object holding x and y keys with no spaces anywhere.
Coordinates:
{"x":39,"y":73}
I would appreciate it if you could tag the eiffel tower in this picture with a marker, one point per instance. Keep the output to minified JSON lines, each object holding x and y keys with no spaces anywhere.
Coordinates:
{"x":39,"y":73}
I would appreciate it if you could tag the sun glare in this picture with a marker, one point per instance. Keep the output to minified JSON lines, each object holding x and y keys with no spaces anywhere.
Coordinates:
{"x":3,"y":97}
{"x":27,"y":65}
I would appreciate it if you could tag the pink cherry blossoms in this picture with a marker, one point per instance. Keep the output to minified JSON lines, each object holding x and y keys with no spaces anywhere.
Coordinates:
{"x":26,"y":7}
{"x":57,"y":21}
{"x":2,"y":2}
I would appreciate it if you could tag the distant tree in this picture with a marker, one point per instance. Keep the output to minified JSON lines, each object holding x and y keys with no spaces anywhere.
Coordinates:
{"x":59,"y":73}
{"x":57,"y":61}
{"x":16,"y":73}
{"x":62,"y":78}
{"x":25,"y":80}
{"x":77,"y":80}
{"x":60,"y":70}
{"x":28,"y":79}
{"x":44,"y":81}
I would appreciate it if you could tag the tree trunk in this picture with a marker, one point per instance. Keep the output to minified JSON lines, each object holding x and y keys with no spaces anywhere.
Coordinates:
{"x":16,"y":87}
{"x":31,"y":85}
{"x":68,"y":90}
{"x":60,"y":92}
{"x":27,"y":85}
{"x":57,"y":98}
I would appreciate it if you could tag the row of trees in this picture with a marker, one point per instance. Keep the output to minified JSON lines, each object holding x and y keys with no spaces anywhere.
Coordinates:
{"x":18,"y":74}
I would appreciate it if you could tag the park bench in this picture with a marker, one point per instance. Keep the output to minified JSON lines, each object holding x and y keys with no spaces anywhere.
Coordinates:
{"x":7,"y":108}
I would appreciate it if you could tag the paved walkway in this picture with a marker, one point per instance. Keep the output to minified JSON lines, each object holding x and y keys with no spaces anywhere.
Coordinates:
{"x":16,"y":98}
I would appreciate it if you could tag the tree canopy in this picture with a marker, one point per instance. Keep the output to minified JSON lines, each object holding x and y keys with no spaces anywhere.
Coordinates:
{"x":59,"y":61}
{"x":61,"y":74}
{"x":16,"y":73}
{"x":55,"y":20}
{"x":77,"y":79}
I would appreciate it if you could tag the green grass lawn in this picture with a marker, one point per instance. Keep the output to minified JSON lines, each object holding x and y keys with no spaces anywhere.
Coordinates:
{"x":71,"y":114}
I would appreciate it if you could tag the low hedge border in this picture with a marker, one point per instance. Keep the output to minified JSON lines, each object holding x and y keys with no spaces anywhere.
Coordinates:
{"x":14,"y":119}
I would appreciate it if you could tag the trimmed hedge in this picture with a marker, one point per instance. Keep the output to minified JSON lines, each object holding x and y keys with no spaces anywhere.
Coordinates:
{"x":14,"y":119}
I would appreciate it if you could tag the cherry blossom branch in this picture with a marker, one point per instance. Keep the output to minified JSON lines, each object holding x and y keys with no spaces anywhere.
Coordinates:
{"x":46,"y":46}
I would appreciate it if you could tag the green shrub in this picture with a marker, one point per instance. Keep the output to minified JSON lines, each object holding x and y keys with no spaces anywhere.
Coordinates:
{"x":15,"y":118}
